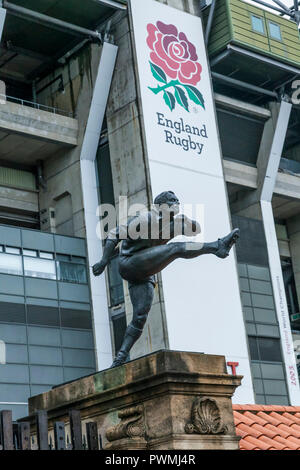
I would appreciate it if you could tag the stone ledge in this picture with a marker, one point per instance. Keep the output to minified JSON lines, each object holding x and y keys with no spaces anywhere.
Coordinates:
{"x":165,"y":400}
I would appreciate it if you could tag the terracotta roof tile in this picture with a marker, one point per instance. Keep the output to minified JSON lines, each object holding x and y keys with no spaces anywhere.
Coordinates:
{"x":287,"y":442}
{"x":257,"y":443}
{"x":292,"y":417}
{"x":265,"y":430}
{"x":283,"y":419}
{"x":278,"y":431}
{"x":272,"y":443}
{"x":267,"y":427}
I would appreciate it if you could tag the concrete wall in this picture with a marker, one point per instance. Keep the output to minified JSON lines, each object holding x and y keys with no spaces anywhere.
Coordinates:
{"x":129,"y":170}
{"x":62,"y":170}
{"x":293,"y":226}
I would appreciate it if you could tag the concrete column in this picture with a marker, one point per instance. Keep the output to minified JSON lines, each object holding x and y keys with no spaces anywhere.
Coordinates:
{"x":130,"y":172}
{"x":91,"y":202}
{"x":269,"y":159}
{"x":293,"y":227}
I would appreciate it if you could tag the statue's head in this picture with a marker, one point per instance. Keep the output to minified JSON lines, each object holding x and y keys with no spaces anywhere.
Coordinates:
{"x":167,"y":201}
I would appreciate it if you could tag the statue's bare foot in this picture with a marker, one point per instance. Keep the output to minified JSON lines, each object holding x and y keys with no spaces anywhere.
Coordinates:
{"x":120,"y":359}
{"x":226,"y":243}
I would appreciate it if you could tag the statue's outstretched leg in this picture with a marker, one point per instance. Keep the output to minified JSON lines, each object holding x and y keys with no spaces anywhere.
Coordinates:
{"x":146,"y":263}
{"x":141,"y":296}
{"x":151,"y":261}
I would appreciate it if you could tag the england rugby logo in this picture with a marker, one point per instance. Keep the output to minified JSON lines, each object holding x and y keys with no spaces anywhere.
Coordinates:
{"x":174,"y":64}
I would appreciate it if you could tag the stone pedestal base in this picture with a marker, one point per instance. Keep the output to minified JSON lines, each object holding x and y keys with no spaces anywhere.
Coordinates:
{"x":166,"y":400}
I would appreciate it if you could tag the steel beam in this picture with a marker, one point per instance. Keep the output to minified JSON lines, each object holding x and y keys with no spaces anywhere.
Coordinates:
{"x":112,"y":4}
{"x":267,"y":60}
{"x":243,"y":85}
{"x":280,"y":10}
{"x":40,"y":18}
{"x":282,"y":5}
{"x":210,"y":20}
{"x":219,"y":58}
{"x":276,"y":151}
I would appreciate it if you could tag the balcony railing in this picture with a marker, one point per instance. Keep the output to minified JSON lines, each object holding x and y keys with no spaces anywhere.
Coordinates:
{"x":31,"y":104}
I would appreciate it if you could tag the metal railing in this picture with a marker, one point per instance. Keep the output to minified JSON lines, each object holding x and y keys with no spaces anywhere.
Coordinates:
{"x":18,"y":435}
{"x":31,"y":104}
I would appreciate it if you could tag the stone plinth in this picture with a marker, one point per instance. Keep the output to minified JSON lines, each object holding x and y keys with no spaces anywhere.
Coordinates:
{"x":166,"y":400}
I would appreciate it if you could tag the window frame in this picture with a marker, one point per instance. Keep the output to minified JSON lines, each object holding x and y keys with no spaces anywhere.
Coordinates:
{"x":269,"y":30}
{"x":262,"y":19}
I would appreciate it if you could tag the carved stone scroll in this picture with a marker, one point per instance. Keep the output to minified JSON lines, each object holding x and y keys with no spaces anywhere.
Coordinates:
{"x":131,"y":425}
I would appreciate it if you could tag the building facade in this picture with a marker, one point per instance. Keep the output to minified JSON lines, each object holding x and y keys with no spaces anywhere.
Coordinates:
{"x":75,"y":133}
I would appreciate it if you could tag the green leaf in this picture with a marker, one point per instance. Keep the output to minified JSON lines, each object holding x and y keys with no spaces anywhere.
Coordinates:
{"x":181,"y":98}
{"x":169,"y":100}
{"x":158,"y":73}
{"x":195,"y":95}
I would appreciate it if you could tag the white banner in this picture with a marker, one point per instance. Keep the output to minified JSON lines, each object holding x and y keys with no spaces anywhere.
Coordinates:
{"x":202,"y":299}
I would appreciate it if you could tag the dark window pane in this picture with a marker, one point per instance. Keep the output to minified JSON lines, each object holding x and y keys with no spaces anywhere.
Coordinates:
{"x":253,"y":348}
{"x":75,"y":318}
{"x":14,"y":313}
{"x":71,"y":272}
{"x":119,"y":326}
{"x":244,"y":132}
{"x":39,"y":315}
{"x":269,"y":349}
{"x":115,"y":283}
{"x":252,"y":247}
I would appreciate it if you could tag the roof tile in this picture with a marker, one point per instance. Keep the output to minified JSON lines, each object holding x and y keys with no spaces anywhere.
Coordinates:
{"x":287,"y":442}
{"x":267,"y":427}
{"x":257,"y":443}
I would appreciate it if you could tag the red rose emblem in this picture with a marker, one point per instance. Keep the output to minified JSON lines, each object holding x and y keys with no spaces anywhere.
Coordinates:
{"x":173,"y":53}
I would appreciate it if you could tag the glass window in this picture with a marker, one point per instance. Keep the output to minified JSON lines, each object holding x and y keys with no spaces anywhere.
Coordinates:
{"x":12,"y":312}
{"x":73,"y":373}
{"x":71,"y":272}
{"x":45,"y":255}
{"x":10,"y":264}
{"x":43,"y":336}
{"x":71,"y":318}
{"x":272,"y":371}
{"x":44,"y":355}
{"x":46,"y":375}
{"x":14,"y":373}
{"x":248,"y":313}
{"x":253,"y":348}
{"x":269,"y":349}
{"x":258,"y":386}
{"x":78,"y":259}
{"x":251,"y":329}
{"x":275,"y":31}
{"x":268,"y":330}
{"x":16,"y":354}
{"x":20,"y":393}
{"x":39,"y":268}
{"x":41,"y":315}
{"x":262,"y":301}
{"x":79,"y":358}
{"x":1,"y":248}
{"x":12,"y":251}
{"x":66,"y":258}
{"x":32,"y":253}
{"x":119,"y":327}
{"x":115,"y":283}
{"x":256,"y":371}
{"x":264,"y":315}
{"x":258,"y":24}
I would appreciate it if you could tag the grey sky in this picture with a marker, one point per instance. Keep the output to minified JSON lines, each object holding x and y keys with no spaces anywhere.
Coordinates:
{"x":288,"y":3}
